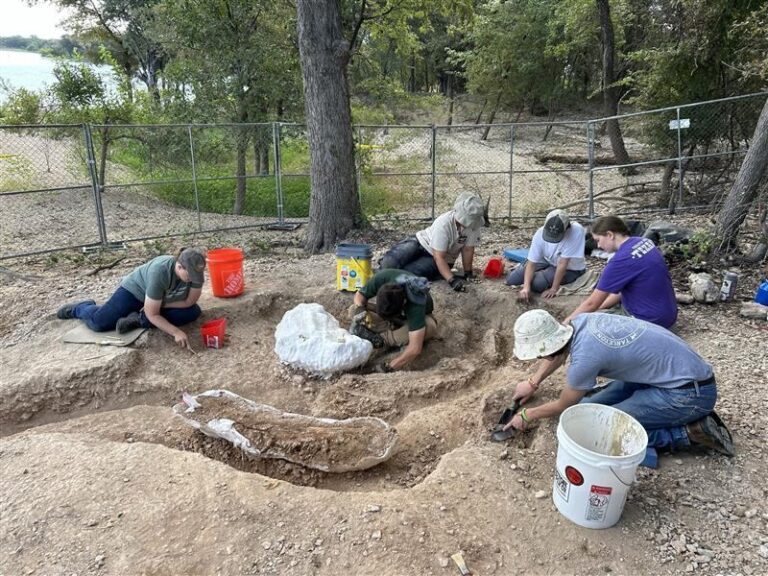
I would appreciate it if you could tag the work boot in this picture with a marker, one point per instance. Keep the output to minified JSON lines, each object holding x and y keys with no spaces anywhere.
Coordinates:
{"x":362,"y":331}
{"x":711,"y":433}
{"x":128,"y":323}
{"x":66,"y":312}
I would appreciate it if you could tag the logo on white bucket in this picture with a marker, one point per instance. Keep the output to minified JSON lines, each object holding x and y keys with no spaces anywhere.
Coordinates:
{"x":561,"y":485}
{"x":599,"y":497}
{"x":615,"y":331}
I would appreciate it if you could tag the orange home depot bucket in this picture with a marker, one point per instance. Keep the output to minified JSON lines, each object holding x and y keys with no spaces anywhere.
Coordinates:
{"x":225,"y":267}
{"x":213,"y":333}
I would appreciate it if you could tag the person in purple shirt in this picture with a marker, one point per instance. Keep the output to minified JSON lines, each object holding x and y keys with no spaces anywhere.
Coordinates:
{"x":636,"y":277}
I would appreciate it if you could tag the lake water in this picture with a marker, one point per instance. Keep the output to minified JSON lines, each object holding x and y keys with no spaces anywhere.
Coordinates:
{"x":30,"y":70}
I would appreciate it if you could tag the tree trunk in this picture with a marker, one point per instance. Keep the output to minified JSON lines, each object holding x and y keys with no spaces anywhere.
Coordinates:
{"x":745,"y":188}
{"x":482,"y":109}
{"x":324,"y":54}
{"x":242,"y":147}
{"x":450,"y":101}
{"x":484,"y":137}
{"x":610,"y":92}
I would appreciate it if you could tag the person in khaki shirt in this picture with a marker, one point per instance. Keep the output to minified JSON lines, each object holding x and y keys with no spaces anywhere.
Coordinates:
{"x":432,"y":252}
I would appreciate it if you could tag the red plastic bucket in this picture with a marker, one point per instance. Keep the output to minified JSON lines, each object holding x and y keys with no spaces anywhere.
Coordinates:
{"x":225,"y":268}
{"x":494,"y":268}
{"x":213,"y":333}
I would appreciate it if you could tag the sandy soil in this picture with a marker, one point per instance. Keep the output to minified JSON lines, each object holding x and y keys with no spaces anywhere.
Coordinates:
{"x":99,"y":476}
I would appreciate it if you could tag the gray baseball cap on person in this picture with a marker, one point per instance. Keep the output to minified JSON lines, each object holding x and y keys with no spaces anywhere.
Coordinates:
{"x":193,"y":262}
{"x":555,"y":226}
{"x":469,"y":210}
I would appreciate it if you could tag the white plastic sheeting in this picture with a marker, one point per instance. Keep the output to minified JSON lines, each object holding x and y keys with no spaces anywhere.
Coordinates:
{"x":311,"y":339}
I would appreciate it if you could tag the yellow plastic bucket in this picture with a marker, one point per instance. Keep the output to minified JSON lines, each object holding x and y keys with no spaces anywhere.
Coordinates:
{"x":353,"y":266}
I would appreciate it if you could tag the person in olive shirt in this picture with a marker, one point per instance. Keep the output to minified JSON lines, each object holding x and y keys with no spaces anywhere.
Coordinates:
{"x":400,"y":316}
{"x":161,"y":293}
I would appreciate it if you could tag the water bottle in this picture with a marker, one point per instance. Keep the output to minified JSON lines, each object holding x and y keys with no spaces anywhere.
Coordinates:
{"x":728,"y":289}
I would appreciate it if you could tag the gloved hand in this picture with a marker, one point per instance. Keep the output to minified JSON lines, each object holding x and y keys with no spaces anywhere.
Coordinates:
{"x":458,"y":283}
{"x":358,"y":310}
{"x":383,"y":368}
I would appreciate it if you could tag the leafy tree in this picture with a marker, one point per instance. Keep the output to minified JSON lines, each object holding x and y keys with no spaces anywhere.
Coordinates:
{"x":122,"y":26}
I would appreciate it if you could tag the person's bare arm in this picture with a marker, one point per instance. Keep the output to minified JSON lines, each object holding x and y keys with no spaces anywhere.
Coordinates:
{"x":525,"y":291}
{"x":546,"y":366}
{"x":412,"y":350}
{"x":467,"y":258}
{"x":442,"y":265}
{"x":152,"y":312}
{"x":611,"y":301}
{"x":560,"y":270}
{"x":568,"y":397}
{"x":190,"y":300}
{"x":592,"y":303}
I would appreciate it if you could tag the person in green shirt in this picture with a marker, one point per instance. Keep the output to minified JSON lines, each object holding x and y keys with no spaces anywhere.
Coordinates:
{"x":401,"y":314}
{"x":161,"y":293}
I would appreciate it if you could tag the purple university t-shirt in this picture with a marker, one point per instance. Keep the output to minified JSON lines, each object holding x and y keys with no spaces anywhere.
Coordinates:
{"x":638,"y":271}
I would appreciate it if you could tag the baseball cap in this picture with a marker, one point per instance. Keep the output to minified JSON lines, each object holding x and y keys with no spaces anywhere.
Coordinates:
{"x":555,"y":226}
{"x":193,"y":262}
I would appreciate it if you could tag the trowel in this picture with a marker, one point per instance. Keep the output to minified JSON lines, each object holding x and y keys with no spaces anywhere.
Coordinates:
{"x":498,"y":434}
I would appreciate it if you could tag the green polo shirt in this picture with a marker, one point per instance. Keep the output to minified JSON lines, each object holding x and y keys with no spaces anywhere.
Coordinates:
{"x":157,"y":279}
{"x":414,"y":314}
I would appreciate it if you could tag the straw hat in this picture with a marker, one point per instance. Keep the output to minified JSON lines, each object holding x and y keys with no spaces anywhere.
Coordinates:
{"x":538,"y":334}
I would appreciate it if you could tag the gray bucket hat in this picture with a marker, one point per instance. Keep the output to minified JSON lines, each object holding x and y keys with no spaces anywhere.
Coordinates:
{"x":469,"y":210}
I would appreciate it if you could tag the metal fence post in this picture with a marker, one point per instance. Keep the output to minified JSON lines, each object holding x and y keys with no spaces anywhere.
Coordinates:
{"x":194,"y":178}
{"x":511,"y":169}
{"x":434,"y":165}
{"x":91,"y":162}
{"x":679,"y":160}
{"x":278,"y":172}
{"x":591,"y":157}
{"x":358,"y":166}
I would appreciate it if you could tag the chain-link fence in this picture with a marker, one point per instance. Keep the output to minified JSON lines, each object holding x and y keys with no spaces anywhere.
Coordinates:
{"x":69,"y":186}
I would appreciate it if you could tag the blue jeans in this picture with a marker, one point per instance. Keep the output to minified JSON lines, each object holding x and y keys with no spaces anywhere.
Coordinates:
{"x":103,"y":318}
{"x":409,"y":255}
{"x":663,"y":412}
{"x":542,"y":278}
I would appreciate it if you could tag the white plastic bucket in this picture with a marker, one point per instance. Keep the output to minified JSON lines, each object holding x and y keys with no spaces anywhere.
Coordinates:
{"x":599,"y":449}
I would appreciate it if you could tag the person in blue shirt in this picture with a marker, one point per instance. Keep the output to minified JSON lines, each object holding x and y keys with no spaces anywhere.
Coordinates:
{"x":657,"y":378}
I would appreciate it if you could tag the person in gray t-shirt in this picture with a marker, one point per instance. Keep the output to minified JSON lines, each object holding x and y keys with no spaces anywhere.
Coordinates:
{"x":161,"y":293}
{"x":656,"y":377}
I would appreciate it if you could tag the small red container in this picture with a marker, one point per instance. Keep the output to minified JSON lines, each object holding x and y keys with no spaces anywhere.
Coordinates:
{"x":494,"y":268}
{"x":213,"y":333}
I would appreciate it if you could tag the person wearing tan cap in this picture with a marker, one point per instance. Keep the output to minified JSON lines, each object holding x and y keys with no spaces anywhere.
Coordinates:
{"x":432,"y":252}
{"x":161,"y":293}
{"x":556,"y":257}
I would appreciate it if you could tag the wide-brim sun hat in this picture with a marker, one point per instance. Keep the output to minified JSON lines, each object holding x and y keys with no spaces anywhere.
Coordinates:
{"x":469,"y":210}
{"x":538,"y":334}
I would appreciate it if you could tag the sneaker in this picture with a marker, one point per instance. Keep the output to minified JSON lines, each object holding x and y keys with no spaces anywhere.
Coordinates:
{"x":362,"y":331}
{"x":128,"y":323}
{"x":66,"y":312}
{"x":711,"y":432}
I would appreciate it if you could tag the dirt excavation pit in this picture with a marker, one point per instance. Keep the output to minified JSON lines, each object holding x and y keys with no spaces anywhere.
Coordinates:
{"x":453,"y":393}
